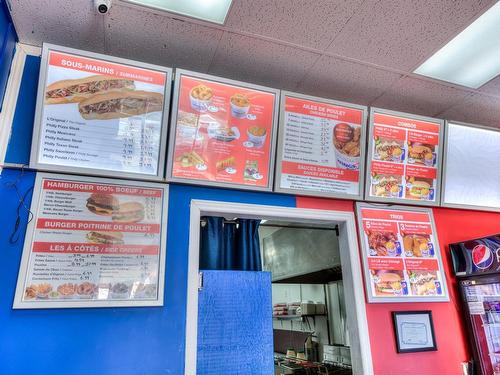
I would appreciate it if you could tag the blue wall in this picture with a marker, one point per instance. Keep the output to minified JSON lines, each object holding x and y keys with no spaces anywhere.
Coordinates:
{"x":110,"y":340}
{"x":8,"y":40}
{"x":122,"y":341}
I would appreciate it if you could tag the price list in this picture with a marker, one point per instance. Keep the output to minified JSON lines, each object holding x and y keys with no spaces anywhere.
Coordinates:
{"x":103,"y":122}
{"x":95,"y":241}
{"x":320,"y":147}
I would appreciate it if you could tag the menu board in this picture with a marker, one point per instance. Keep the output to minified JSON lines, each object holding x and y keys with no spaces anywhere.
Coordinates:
{"x":93,"y":243}
{"x":100,"y":115}
{"x":321,"y":147}
{"x":404,"y":158}
{"x":223,"y":132}
{"x":401,"y":254}
{"x":471,"y":179}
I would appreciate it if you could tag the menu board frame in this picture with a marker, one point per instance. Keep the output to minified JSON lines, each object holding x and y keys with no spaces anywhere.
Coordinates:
{"x":439,"y":165}
{"x":36,"y":141}
{"x":82,"y":303}
{"x":374,"y":299}
{"x":279,"y":151}
{"x":445,"y":158}
{"x":173,"y":132}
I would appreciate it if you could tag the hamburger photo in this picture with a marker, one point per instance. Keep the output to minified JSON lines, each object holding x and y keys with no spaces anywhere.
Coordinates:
{"x":105,"y":238}
{"x":102,"y":204}
{"x":129,"y":212}
{"x":388,"y":282}
{"x":421,"y":154}
{"x":418,"y":189}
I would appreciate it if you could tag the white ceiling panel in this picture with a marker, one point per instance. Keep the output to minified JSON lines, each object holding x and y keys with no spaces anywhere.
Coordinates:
{"x":344,"y":80}
{"x":403,"y":34}
{"x":153,"y":38}
{"x":257,"y":61}
{"x":420,"y":96}
{"x":309,"y":23}
{"x":69,"y":23}
{"x":476,"y":109}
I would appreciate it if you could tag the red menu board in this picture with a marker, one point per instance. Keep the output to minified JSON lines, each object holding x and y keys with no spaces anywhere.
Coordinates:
{"x":93,"y":242}
{"x":404,"y":158}
{"x":321,"y":147}
{"x":223,"y":133}
{"x":401,"y":254}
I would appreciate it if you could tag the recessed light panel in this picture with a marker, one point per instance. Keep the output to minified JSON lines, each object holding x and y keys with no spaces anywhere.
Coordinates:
{"x":208,"y":10}
{"x":472,"y":58}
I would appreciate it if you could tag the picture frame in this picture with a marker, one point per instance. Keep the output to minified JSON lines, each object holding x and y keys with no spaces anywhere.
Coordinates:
{"x":414,"y":331}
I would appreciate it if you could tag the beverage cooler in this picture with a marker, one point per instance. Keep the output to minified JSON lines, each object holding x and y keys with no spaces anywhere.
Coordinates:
{"x":477,"y":267}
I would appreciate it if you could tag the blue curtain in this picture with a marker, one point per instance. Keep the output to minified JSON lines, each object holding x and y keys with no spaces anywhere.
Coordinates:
{"x":230,"y":246}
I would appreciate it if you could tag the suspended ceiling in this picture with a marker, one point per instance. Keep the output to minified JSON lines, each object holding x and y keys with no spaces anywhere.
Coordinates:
{"x":361,"y":51}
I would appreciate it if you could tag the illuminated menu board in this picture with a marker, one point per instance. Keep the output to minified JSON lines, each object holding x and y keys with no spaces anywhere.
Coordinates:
{"x":100,"y":115}
{"x":222,"y":132}
{"x":93,"y":243}
{"x":401,"y":254}
{"x":404,"y":158}
{"x":321,"y":147}
{"x":471,"y":179}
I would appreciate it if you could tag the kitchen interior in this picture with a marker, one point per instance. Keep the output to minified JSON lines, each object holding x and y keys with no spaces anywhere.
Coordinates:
{"x":310,"y":329}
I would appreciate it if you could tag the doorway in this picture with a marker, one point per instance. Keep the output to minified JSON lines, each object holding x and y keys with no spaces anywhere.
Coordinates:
{"x":355,"y":313}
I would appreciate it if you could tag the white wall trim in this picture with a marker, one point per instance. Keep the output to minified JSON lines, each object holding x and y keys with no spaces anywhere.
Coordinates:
{"x":10,"y":99}
{"x":351,"y":271}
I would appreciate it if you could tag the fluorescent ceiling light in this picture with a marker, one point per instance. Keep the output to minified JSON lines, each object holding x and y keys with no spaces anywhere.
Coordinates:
{"x":472,"y":58}
{"x":208,"y":10}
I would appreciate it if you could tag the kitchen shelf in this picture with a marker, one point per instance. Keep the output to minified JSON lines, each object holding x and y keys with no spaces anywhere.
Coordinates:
{"x":296,"y":317}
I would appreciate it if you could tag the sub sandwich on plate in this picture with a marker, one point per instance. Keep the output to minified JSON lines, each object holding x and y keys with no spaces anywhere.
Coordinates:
{"x":76,"y":90}
{"x":120,"y":104}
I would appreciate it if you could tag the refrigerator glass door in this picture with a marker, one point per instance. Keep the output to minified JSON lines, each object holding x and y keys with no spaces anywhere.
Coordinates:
{"x":483,"y":300}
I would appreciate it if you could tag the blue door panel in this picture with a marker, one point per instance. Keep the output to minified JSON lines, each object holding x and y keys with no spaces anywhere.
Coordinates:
{"x":235,"y":329}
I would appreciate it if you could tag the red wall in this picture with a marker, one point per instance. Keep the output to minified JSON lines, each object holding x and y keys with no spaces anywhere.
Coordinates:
{"x":452,"y":226}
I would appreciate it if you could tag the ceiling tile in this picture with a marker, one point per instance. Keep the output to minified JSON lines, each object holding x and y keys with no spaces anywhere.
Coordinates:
{"x":310,"y":23}
{"x":402,"y":34}
{"x":145,"y":36}
{"x":420,"y":97}
{"x":68,"y":23}
{"x":344,"y":80}
{"x":261,"y":62}
{"x":476,"y":109}
{"x":492,"y":87}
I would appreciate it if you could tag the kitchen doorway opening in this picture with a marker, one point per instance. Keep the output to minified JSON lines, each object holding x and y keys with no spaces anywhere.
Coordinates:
{"x":310,"y":332}
{"x":317,"y":287}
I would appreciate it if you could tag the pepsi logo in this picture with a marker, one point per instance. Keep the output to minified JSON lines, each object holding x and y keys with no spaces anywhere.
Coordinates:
{"x":482,"y":256}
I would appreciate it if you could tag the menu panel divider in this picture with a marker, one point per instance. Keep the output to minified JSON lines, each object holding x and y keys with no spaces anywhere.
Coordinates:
{"x":334,"y":135}
{"x":100,"y":115}
{"x":236,"y":127}
{"x":93,"y":242}
{"x":392,"y":174}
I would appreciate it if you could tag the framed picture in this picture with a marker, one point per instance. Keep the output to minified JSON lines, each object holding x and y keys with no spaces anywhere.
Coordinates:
{"x":414,"y":331}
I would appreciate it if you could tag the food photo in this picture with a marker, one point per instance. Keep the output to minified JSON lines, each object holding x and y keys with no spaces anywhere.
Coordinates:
{"x":419,"y":188}
{"x":389,"y":150}
{"x":383,"y":244}
{"x":417,"y":245}
{"x":346,"y":141}
{"x":423,"y":154}
{"x":383,"y":185}
{"x":389,"y":283}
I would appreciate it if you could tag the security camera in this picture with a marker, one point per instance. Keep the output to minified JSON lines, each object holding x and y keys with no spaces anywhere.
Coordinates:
{"x":102,"y":6}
